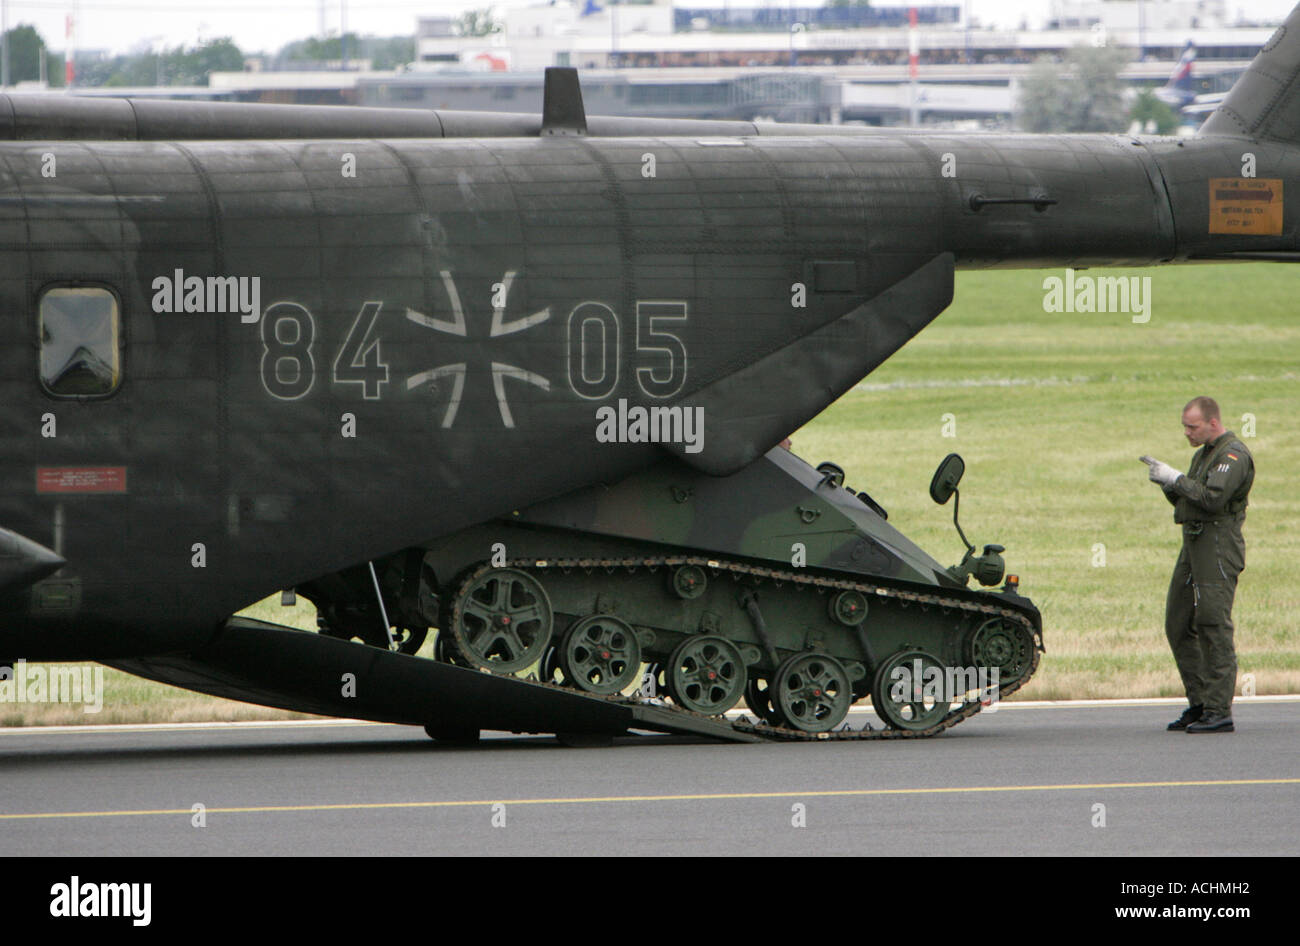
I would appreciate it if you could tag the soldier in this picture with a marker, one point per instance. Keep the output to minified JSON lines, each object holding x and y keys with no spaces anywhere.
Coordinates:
{"x":1210,"y":504}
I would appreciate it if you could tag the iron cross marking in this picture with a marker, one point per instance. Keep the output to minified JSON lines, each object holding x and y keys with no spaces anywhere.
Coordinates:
{"x":457,"y":371}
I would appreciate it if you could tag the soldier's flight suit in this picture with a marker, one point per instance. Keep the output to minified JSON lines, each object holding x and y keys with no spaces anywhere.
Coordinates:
{"x":1210,"y":504}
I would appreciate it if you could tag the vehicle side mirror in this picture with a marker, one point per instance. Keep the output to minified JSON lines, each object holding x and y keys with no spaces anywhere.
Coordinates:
{"x":832,"y":473}
{"x":946,"y":477}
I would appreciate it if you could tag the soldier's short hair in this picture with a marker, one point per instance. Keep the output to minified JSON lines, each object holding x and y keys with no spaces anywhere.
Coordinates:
{"x":1208,"y":407}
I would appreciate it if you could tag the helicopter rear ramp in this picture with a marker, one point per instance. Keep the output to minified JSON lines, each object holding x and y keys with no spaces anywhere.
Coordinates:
{"x":259,"y":662}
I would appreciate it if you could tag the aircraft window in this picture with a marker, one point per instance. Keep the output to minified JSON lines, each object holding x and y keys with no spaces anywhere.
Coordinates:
{"x":81,"y":342}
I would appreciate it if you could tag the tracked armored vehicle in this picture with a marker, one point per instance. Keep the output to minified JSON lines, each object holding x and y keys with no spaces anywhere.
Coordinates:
{"x":779,"y":585}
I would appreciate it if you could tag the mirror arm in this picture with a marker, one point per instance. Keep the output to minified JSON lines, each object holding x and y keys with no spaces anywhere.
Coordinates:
{"x":955,"y":506}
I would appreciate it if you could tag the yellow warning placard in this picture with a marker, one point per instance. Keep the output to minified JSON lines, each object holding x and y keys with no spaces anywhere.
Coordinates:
{"x":1246,"y":205}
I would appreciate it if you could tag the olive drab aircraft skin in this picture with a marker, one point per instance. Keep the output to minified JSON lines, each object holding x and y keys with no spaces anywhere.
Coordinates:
{"x":352,"y":352}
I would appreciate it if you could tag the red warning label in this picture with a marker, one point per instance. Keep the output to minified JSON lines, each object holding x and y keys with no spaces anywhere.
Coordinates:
{"x":81,"y":479}
{"x":1246,"y":205}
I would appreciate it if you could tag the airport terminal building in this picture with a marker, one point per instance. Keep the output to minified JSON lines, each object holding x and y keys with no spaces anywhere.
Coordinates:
{"x":808,"y":64}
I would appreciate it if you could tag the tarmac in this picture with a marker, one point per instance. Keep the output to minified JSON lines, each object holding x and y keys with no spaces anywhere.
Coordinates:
{"x":1073,"y":778}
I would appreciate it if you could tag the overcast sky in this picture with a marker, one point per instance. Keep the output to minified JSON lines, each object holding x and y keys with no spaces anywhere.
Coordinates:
{"x":266,"y":25}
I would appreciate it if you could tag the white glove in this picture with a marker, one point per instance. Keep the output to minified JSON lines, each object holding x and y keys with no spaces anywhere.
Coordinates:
{"x":1163,"y":473}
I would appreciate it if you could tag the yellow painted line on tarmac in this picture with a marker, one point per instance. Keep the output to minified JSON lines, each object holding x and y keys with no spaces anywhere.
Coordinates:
{"x":617,"y":799}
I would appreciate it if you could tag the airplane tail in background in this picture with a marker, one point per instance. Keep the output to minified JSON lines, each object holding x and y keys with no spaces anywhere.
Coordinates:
{"x":1180,"y":89}
{"x":1265,"y":102}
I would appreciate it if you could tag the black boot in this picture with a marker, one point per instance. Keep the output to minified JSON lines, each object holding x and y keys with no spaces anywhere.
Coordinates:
{"x":1213,"y":722}
{"x":1190,"y":715}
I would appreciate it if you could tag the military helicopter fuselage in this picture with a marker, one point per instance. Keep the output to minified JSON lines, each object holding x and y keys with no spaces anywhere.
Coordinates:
{"x":232,"y":366}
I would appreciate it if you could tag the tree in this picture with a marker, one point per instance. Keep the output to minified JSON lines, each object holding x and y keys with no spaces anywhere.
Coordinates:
{"x":388,"y":53}
{"x":329,"y":49}
{"x":193,"y":66}
{"x":1147,"y":109}
{"x":383,"y":52}
{"x":1082,"y":94}
{"x":25,"y":50}
{"x":476,"y":23}
{"x":131,"y":71}
{"x":179,"y":66}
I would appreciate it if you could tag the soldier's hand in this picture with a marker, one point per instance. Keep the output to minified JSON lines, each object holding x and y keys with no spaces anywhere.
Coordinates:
{"x":1162,"y":473}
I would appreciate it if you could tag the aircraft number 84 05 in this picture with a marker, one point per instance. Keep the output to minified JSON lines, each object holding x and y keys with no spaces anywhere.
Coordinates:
{"x":593,"y":350}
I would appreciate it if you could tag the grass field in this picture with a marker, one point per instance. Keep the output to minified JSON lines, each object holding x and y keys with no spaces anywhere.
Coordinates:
{"x":1050,"y":411}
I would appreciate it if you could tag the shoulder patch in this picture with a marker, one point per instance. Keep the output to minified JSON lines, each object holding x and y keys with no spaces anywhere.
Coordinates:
{"x":1233,"y":456}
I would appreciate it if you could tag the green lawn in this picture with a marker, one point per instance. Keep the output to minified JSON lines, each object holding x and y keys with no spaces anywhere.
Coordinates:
{"x":1051,"y":411}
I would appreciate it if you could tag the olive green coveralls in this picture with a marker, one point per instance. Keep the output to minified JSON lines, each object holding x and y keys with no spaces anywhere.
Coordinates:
{"x":1210,"y":504}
